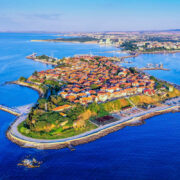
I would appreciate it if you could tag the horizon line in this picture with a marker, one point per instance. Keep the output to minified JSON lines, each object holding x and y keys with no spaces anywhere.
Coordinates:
{"x":40,"y":31}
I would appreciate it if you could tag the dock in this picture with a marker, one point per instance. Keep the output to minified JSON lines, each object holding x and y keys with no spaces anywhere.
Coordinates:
{"x":132,"y":55}
{"x":151,"y":66}
{"x":17,"y":111}
{"x":154,"y":68}
{"x":10,"y":110}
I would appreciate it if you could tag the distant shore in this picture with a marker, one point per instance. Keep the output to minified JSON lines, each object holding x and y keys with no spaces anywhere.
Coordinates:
{"x":136,"y":54}
{"x":117,"y":51}
{"x":161,"y":52}
{"x":57,"y":40}
{"x":153,"y":52}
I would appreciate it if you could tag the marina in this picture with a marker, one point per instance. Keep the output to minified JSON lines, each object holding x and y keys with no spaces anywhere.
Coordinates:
{"x":151,"y":66}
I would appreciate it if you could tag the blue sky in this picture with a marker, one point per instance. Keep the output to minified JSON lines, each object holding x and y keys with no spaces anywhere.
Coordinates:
{"x":89,"y":15}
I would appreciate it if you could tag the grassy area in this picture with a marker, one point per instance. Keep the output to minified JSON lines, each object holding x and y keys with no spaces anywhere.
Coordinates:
{"x":57,"y":133}
{"x":175,"y":93}
{"x":51,"y":128}
{"x":144,"y":99}
{"x":48,"y":124}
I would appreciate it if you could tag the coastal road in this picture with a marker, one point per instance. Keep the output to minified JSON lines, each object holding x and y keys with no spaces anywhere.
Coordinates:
{"x":13,"y":130}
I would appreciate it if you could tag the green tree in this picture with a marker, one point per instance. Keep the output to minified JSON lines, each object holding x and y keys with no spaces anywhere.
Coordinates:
{"x":22,"y":79}
{"x":94,"y":86}
{"x":42,"y":103}
{"x":153,"y":78}
{"x":35,"y":73}
{"x":132,"y":70}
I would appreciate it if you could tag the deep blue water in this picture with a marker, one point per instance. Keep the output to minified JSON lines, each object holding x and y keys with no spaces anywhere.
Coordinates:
{"x":150,"y":151}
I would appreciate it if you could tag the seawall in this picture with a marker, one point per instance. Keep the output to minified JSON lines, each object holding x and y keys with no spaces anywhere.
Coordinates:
{"x":2,"y":108}
{"x":32,"y":86}
{"x":82,"y":140}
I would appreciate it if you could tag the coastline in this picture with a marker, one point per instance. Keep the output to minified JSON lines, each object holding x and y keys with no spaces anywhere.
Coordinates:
{"x":42,"y":61}
{"x":134,"y":121}
{"x":54,"y":40}
{"x":77,"y":141}
{"x":161,"y":52}
{"x":45,"y":62}
{"x":82,"y":138}
{"x":136,"y":54}
{"x":32,"y":86}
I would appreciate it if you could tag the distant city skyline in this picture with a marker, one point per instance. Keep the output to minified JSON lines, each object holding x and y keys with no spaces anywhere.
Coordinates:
{"x":89,"y":15}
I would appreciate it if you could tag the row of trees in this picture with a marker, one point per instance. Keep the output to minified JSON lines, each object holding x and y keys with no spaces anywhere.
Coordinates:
{"x":129,"y":46}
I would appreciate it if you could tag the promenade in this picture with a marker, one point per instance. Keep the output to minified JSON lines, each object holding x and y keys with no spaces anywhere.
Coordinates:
{"x":134,"y":118}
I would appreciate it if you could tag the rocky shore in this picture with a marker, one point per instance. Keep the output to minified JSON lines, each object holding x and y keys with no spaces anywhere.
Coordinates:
{"x":58,"y":145}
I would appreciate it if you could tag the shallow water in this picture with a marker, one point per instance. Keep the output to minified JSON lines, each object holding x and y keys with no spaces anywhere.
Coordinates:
{"x":150,"y":151}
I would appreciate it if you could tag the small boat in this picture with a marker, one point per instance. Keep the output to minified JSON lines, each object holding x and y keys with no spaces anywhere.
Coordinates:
{"x":30,"y":163}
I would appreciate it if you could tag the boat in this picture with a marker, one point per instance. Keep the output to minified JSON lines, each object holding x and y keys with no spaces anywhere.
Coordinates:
{"x":30,"y":163}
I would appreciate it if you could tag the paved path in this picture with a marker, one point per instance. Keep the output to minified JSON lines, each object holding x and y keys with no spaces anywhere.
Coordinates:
{"x":13,"y":130}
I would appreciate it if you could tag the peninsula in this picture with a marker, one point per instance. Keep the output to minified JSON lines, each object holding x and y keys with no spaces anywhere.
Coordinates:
{"x":89,"y":97}
{"x":87,"y":40}
{"x":131,"y":42}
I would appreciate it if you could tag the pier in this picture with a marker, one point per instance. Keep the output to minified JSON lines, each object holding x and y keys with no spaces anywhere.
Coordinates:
{"x":10,"y":110}
{"x":151,"y":66}
{"x":154,"y":68}
{"x":17,"y":111}
{"x":132,"y":55}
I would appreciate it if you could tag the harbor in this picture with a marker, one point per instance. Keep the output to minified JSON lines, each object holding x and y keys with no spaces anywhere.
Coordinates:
{"x":151,"y":66}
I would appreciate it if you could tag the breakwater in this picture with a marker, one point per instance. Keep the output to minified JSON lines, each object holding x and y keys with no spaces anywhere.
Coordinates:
{"x":161,"y":52}
{"x":155,"y":68}
{"x":10,"y":110}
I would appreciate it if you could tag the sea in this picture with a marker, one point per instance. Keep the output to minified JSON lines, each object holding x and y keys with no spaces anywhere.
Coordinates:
{"x":147,"y":152}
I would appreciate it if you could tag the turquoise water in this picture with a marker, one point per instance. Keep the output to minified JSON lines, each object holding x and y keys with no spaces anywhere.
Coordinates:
{"x":150,"y":151}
